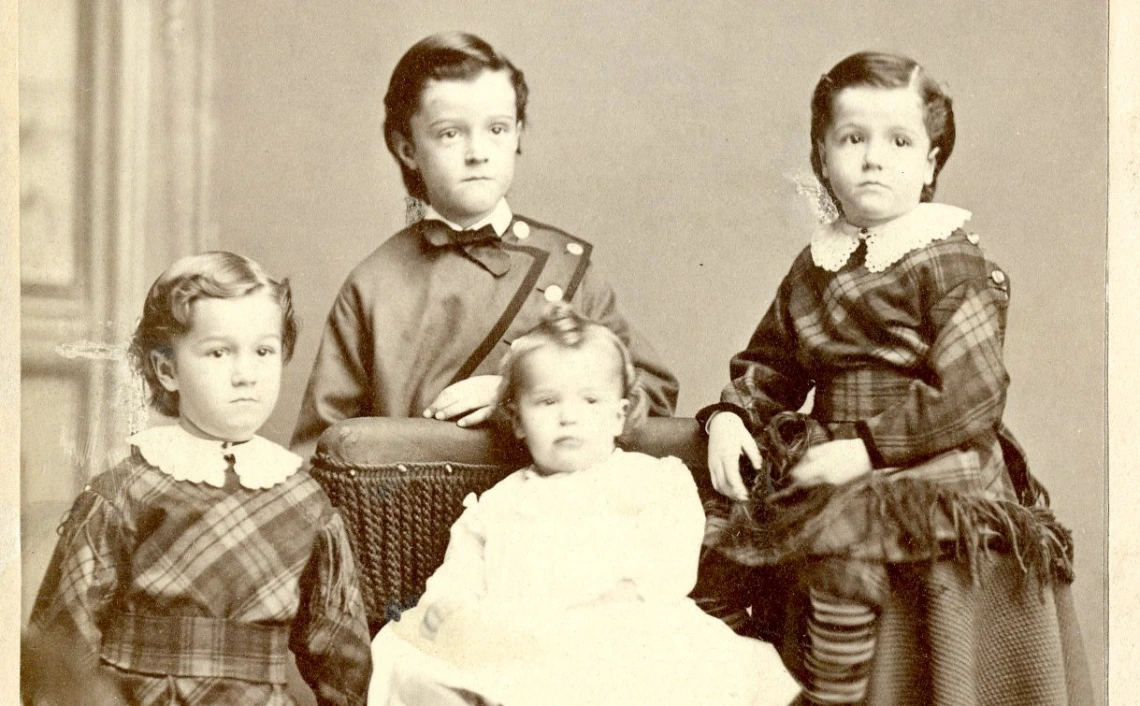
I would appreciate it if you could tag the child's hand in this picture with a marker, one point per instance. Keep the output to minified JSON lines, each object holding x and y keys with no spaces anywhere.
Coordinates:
{"x":728,"y":440}
{"x":437,"y":613}
{"x":474,"y":397}
{"x":834,"y":462}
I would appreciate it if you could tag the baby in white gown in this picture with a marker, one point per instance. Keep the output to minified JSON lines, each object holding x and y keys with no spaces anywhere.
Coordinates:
{"x":567,"y":582}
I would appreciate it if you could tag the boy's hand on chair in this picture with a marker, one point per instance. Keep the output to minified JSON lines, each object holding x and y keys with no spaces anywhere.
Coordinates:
{"x":834,"y":462}
{"x":728,"y":441}
{"x":469,"y":401}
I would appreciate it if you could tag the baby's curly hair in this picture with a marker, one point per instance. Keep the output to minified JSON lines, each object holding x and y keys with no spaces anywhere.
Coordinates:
{"x":564,"y":327}
{"x":168,"y":308}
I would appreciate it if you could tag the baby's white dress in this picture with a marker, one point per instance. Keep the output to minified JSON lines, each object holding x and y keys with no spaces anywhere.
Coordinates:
{"x":529,"y":563}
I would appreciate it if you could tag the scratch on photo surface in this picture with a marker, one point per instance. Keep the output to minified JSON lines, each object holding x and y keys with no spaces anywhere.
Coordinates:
{"x":808,"y":186}
{"x":92,"y":350}
{"x":128,"y":390}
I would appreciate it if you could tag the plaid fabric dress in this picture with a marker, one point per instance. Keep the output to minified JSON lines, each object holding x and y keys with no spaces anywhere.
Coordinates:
{"x":187,"y":593}
{"x":898,"y":588}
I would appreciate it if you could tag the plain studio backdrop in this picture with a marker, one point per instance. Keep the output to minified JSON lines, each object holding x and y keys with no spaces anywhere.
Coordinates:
{"x":672,"y":136}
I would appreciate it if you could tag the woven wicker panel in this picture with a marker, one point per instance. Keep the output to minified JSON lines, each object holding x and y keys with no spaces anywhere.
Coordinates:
{"x":398,"y":518}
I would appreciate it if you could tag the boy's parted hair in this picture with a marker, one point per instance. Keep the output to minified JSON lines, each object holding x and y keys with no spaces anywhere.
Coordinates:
{"x":448,"y":56}
{"x":881,"y":70}
{"x":168,"y":308}
{"x":564,"y":327}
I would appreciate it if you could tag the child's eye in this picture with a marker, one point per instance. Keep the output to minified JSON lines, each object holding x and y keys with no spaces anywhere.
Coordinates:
{"x":591,"y":400}
{"x":449,"y":134}
{"x":266,"y":351}
{"x":499,"y":129}
{"x":851,"y":139}
{"x":901,"y":141}
{"x":216,"y":352}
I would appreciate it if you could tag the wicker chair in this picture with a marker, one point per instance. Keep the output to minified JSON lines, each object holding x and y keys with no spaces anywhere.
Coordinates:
{"x":400,"y":484}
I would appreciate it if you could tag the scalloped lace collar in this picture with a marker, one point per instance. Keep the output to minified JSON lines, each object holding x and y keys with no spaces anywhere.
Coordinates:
{"x":833,"y":243}
{"x":259,"y":463}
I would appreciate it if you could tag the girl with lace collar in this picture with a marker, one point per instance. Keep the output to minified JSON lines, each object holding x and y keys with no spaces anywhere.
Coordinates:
{"x":894,"y":319}
{"x":190,"y":571}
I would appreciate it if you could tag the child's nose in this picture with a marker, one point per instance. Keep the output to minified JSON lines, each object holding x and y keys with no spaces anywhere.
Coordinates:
{"x":873,"y":153}
{"x":476,"y":149}
{"x":568,"y":413}
{"x":242,"y":372}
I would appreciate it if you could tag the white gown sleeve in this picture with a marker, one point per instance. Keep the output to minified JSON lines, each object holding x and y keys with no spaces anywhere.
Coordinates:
{"x":668,"y":533}
{"x":462,"y":577}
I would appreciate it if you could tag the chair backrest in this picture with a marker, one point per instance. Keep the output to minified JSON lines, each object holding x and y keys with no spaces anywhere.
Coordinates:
{"x":400,"y":484}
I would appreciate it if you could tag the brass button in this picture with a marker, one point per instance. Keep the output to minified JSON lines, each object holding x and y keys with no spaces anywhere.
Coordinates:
{"x":521,"y":230}
{"x":553,"y":293}
{"x":574,"y":249}
{"x":998,"y":277}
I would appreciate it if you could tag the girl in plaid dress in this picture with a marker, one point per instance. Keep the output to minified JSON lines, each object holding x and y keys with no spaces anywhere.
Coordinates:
{"x":189,"y":572}
{"x":566,"y":583}
{"x":902,"y":551}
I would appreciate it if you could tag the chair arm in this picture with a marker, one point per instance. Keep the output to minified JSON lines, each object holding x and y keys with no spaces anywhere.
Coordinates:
{"x":399,"y":484}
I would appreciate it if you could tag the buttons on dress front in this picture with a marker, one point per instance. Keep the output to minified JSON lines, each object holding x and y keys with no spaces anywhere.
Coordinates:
{"x":574,"y":249}
{"x":521,"y":230}
{"x":998,"y":277}
{"x":553,"y":293}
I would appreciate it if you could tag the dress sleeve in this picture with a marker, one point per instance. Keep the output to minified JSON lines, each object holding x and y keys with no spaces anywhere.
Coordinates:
{"x":766,"y":377}
{"x":330,"y":633}
{"x":597,"y":302}
{"x":668,"y":533}
{"x":339,"y":384}
{"x":462,"y":575}
{"x":965,"y":390}
{"x":83,"y":576}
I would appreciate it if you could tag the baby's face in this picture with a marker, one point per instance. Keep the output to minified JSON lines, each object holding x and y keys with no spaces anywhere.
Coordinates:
{"x":464,"y":139}
{"x":227,"y":368}
{"x":876,"y":153}
{"x":571,"y":408}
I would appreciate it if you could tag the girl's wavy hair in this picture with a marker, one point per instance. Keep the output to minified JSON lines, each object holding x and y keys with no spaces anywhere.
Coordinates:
{"x":880,"y":70}
{"x":447,"y":56}
{"x":564,"y":327}
{"x":167,"y":313}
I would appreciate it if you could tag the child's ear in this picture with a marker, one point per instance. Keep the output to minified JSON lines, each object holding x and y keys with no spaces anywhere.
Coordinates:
{"x":622,"y":415}
{"x":512,"y":413}
{"x":164,"y":370}
{"x":931,"y":161}
{"x":406,"y":151}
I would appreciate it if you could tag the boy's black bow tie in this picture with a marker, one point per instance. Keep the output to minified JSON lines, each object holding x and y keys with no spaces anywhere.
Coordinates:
{"x":482,"y":245}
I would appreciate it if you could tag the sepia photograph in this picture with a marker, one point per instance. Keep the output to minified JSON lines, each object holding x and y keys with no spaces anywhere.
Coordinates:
{"x":520,"y":353}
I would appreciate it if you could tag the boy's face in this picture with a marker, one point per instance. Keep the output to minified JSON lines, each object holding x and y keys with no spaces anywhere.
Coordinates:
{"x":464,"y":139}
{"x":876,"y":153}
{"x":570,"y":409}
{"x":227,"y":367}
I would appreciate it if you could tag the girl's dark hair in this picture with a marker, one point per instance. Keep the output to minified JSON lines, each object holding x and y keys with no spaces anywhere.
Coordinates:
{"x":447,"y":56}
{"x":881,"y":70}
{"x":168,"y":308}
{"x":564,"y":327}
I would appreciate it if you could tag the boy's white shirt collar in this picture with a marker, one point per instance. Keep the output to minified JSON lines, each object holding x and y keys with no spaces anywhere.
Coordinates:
{"x":833,"y":243}
{"x":499,"y":218}
{"x":259,"y":463}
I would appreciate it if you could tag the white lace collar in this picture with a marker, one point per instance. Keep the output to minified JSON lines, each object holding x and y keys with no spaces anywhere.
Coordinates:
{"x":259,"y":463}
{"x":833,"y":243}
